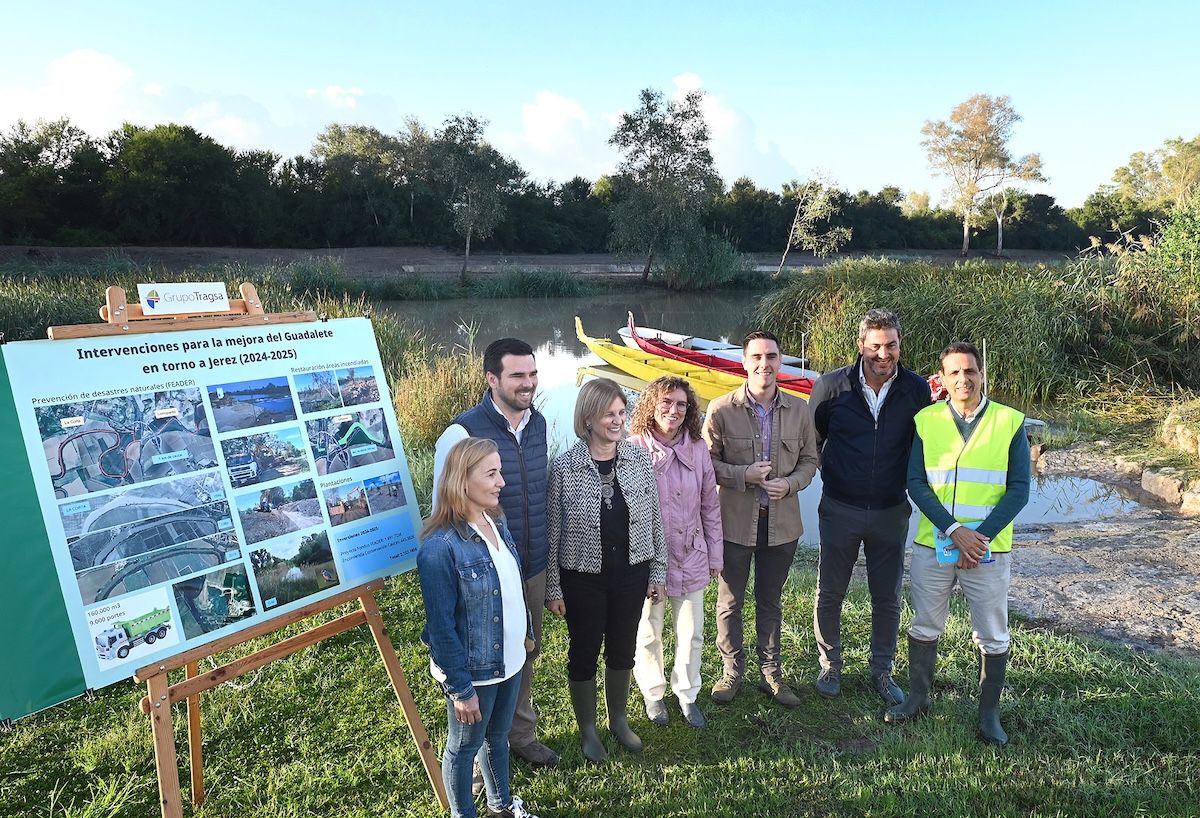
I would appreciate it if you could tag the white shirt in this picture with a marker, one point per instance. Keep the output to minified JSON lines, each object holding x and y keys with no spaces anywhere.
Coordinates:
{"x":512,"y":597}
{"x":456,"y":432}
{"x":971,"y":415}
{"x":874,"y":401}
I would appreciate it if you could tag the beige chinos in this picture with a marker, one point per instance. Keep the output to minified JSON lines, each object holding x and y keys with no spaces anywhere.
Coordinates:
{"x":985,"y":587}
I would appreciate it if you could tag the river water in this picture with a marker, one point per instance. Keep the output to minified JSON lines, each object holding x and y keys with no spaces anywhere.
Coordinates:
{"x":548,"y":325}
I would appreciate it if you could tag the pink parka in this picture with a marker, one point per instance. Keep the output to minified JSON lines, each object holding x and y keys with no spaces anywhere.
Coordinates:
{"x":691,"y":512}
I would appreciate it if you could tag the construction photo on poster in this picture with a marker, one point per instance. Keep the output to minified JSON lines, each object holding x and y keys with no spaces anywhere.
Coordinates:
{"x":195,"y":483}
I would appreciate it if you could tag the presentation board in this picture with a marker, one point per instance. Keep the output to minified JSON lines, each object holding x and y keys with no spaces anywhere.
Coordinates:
{"x":188,"y":485}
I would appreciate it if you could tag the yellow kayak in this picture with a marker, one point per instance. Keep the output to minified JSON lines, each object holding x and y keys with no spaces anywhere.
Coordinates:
{"x":707,"y":383}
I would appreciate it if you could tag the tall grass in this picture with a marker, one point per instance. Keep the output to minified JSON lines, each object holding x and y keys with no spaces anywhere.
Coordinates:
{"x":1051,"y":332}
{"x":75,"y":290}
{"x":434,"y":389}
{"x":528,"y":284}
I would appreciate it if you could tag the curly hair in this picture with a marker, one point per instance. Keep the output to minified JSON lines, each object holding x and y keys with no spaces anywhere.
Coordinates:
{"x":643,"y":412}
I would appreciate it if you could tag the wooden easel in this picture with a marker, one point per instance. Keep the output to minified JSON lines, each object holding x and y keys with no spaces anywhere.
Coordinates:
{"x":122,"y":318}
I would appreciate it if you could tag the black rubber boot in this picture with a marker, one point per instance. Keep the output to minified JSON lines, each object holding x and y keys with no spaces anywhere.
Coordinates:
{"x":991,"y":683}
{"x":922,"y":659}
{"x":583,"y":702}
{"x":616,"y":697}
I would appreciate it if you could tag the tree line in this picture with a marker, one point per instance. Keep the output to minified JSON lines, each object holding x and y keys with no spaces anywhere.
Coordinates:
{"x":171,"y":185}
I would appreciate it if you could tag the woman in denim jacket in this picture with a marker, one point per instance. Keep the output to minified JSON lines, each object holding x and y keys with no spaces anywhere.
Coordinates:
{"x":477,"y":627}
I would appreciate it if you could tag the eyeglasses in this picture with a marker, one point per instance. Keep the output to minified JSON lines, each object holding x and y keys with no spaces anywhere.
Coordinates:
{"x":666,"y":405}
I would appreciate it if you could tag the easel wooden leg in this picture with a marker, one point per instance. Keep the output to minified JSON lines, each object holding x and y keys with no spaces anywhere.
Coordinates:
{"x":195,"y":742}
{"x":165,"y":761}
{"x":391,"y":661}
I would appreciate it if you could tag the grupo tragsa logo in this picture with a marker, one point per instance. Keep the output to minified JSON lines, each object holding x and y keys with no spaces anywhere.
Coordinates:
{"x":152,"y":299}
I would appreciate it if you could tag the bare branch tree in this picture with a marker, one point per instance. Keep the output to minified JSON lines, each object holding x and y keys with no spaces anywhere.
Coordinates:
{"x":815,"y":205}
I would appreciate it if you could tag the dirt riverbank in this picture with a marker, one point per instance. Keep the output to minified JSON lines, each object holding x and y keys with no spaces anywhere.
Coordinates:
{"x":1132,"y":577}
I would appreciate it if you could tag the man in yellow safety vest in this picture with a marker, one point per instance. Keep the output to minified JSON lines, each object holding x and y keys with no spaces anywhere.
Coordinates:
{"x":969,"y":475}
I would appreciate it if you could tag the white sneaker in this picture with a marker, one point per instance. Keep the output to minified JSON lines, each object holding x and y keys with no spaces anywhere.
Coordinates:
{"x":515,"y":810}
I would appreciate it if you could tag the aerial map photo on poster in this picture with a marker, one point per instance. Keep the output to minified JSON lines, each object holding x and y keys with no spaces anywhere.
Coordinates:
{"x":194,"y":483}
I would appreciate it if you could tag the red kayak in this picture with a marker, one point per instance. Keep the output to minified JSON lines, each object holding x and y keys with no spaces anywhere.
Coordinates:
{"x":792,"y":383}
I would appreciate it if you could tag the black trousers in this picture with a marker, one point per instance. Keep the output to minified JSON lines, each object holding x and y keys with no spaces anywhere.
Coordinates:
{"x":603,"y":608}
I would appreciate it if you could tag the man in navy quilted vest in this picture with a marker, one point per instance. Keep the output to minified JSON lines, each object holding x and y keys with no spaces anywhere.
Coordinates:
{"x":505,"y":415}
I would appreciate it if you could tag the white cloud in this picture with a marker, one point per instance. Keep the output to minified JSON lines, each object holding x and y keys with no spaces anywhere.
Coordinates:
{"x":551,"y":119}
{"x":212,"y":118}
{"x":737,"y":146}
{"x":559,"y":139}
{"x":98,"y":93}
{"x":336,"y":96}
{"x":84,"y":85}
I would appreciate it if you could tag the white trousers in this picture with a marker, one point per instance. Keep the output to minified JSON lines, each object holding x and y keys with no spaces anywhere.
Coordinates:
{"x":687,"y":616}
{"x":985,"y":587}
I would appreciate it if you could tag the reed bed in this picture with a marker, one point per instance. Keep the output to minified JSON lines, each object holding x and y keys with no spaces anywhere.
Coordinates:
{"x":1051,"y":332}
{"x":434,"y":389}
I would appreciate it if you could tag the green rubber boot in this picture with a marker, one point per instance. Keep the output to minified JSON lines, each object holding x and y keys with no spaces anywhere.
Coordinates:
{"x":991,"y":682}
{"x":922,"y":658}
{"x":616,"y":697}
{"x":583,"y":702}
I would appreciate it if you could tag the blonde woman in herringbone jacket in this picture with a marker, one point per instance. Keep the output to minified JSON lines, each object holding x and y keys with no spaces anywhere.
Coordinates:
{"x":607,"y":555}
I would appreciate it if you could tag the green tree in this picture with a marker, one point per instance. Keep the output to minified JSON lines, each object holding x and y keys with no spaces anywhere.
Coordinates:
{"x":414,"y":174}
{"x":314,"y":549}
{"x":750,"y":216}
{"x":361,"y":166}
{"x":304,"y":491}
{"x":1036,"y":222}
{"x":1166,"y":177}
{"x":259,"y":218}
{"x":971,"y":149}
{"x":171,"y":185}
{"x":477,"y":176}
{"x":51,"y":183}
{"x":1109,"y":214}
{"x":810,"y":230}
{"x":669,"y":169}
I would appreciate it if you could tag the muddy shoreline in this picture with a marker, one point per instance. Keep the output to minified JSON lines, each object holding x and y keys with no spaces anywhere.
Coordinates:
{"x":1132,"y":577}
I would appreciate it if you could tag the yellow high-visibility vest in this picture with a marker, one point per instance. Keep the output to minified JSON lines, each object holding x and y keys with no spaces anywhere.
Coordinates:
{"x":968,"y":478}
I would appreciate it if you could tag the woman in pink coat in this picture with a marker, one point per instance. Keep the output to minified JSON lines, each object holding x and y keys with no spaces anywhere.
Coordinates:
{"x":666,"y":422}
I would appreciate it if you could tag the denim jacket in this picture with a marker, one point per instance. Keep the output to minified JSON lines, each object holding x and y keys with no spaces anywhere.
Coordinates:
{"x":464,"y":612}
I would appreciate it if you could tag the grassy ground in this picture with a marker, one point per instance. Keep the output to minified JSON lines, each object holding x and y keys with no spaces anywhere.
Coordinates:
{"x":1096,"y":731}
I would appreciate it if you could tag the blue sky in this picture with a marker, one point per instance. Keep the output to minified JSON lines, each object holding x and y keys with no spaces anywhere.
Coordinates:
{"x":794,"y":88}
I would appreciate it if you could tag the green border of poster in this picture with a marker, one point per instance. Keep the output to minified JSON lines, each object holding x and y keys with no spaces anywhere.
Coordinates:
{"x":34,"y":614}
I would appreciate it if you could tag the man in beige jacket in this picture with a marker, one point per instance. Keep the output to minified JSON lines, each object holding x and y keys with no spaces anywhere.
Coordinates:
{"x":764,"y":451}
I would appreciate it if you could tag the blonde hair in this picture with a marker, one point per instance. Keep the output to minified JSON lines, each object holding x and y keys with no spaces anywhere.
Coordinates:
{"x":450,"y":504}
{"x":594,"y":399}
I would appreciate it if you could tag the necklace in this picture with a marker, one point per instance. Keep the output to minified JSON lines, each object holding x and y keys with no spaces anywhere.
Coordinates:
{"x":607,"y":482}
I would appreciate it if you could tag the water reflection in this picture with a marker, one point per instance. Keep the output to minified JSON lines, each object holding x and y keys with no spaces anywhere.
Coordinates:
{"x":1061,"y":499}
{"x":548,"y":325}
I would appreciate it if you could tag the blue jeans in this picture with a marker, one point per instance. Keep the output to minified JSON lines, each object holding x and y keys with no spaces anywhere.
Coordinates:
{"x":464,"y":741}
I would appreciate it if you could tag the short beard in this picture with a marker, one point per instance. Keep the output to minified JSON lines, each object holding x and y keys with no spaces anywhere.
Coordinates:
{"x":503,"y":400}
